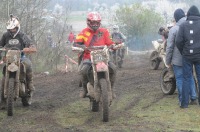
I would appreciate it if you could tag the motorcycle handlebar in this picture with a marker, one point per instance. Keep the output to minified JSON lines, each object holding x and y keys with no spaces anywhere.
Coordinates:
{"x":25,"y":50}
{"x":116,"y":46}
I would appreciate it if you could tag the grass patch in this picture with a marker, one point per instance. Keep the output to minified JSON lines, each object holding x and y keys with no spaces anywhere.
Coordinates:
{"x":167,"y":115}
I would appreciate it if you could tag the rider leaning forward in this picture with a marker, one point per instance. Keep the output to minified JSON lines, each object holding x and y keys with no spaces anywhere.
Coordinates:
{"x":24,"y":43}
{"x":93,"y":35}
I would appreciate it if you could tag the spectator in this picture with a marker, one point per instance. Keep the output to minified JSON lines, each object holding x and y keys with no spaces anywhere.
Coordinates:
{"x":71,"y":38}
{"x":174,"y":58}
{"x":188,"y":43}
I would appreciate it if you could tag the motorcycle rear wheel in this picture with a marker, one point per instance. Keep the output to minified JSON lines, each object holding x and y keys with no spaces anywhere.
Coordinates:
{"x":10,"y":97}
{"x":105,"y":100}
{"x":167,"y":87}
{"x":154,"y":60}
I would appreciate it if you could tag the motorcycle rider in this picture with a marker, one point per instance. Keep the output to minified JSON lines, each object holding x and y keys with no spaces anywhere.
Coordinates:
{"x":23,"y":43}
{"x":118,"y":38}
{"x":164,"y":33}
{"x":92,"y":35}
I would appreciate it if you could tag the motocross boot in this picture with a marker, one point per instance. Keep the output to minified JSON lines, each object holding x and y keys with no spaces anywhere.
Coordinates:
{"x":83,"y":91}
{"x":112,"y":74}
{"x":83,"y":69}
{"x":3,"y":100}
{"x":30,"y":86}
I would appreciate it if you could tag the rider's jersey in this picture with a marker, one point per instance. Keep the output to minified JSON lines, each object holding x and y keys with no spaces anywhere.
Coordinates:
{"x":118,"y":37}
{"x":20,"y":41}
{"x":90,"y":38}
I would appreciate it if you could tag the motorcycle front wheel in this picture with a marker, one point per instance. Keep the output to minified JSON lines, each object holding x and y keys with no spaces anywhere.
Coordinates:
{"x":168,"y":87}
{"x":105,"y":100}
{"x":10,"y":96}
{"x":154,"y":60}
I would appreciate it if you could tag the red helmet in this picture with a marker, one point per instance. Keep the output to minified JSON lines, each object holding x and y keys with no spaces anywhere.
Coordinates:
{"x":93,"y":20}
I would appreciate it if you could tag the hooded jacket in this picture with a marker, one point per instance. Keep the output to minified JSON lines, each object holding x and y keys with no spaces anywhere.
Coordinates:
{"x":173,"y":55}
{"x":187,"y":39}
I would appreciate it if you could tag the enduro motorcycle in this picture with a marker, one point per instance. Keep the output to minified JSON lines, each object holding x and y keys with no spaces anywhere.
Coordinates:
{"x":14,"y":84}
{"x":158,"y":54}
{"x":99,"y":86}
{"x":117,"y":56}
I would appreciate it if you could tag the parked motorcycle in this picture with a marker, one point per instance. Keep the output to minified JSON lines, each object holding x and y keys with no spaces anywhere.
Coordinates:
{"x":99,"y":86}
{"x":158,"y":54}
{"x":14,"y":79}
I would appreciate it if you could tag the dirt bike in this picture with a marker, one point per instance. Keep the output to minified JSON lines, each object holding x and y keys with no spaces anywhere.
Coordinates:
{"x":14,"y":79}
{"x":158,"y":54}
{"x":99,"y":86}
{"x":117,"y":57}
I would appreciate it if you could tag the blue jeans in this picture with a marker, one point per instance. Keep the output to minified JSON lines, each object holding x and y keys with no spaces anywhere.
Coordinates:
{"x":178,"y":72}
{"x":187,"y":75}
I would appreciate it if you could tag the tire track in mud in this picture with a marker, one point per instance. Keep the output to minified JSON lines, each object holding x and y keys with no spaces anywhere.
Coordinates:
{"x":55,"y":91}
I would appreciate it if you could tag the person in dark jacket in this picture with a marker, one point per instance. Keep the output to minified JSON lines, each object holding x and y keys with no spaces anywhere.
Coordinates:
{"x":174,"y":57}
{"x":188,"y":43}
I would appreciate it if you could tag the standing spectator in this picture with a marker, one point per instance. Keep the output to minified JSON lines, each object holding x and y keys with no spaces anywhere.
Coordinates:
{"x":188,"y":43}
{"x":174,"y":58}
{"x":71,"y":38}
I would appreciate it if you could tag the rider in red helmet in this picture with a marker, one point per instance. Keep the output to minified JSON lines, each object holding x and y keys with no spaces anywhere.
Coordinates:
{"x":92,"y":35}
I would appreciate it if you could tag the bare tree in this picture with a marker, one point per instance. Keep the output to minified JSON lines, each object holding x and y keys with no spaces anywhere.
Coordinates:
{"x":37,"y":21}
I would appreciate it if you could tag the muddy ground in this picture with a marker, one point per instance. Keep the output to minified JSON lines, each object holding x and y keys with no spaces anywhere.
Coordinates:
{"x":56,"y":106}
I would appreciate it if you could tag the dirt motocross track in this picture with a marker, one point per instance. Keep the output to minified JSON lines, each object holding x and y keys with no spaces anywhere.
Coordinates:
{"x":56,"y":106}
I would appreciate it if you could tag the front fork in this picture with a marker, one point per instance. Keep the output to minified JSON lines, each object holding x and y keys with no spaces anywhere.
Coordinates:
{"x":6,"y":82}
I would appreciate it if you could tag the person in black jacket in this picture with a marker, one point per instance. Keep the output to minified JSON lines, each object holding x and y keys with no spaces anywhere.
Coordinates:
{"x":188,"y":43}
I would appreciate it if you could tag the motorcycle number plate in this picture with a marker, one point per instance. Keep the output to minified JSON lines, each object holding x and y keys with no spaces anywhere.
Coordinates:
{"x":13,"y":67}
{"x":101,"y":66}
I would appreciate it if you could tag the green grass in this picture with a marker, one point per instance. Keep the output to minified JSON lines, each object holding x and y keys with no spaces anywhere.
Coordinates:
{"x":164,"y":115}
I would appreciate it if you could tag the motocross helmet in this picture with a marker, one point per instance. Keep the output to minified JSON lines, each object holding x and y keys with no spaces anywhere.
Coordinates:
{"x":93,"y":20}
{"x":161,"y":31}
{"x":12,"y":24}
{"x":116,"y":28}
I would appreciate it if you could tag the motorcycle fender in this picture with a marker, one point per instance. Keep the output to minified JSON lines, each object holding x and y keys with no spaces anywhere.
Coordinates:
{"x":156,"y":45}
{"x":13,"y":67}
{"x":101,"y":66}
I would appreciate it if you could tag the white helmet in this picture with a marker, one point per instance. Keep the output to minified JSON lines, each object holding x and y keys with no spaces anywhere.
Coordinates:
{"x":116,"y":28}
{"x":13,"y":23}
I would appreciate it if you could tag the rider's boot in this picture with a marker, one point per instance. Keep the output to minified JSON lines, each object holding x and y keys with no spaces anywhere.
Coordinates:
{"x":112,"y":74}
{"x":83,"y":91}
{"x":112,"y":80}
{"x":31,"y":88}
{"x":3,"y":100}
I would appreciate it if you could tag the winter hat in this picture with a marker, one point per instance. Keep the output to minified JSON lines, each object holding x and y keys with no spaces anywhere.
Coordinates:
{"x":178,"y":14}
{"x":193,"y":11}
